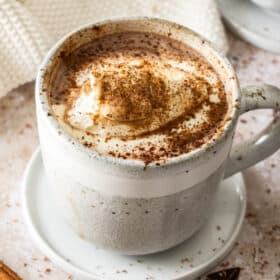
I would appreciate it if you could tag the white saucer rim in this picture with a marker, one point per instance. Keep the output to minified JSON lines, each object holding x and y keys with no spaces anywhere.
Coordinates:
{"x":41,"y":243}
{"x":45,"y":247}
{"x":207,"y":266}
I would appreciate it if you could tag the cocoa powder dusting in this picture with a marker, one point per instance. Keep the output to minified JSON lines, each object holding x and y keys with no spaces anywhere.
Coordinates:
{"x":134,"y":96}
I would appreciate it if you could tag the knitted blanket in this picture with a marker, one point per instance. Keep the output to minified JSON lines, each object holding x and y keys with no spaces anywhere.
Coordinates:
{"x":28,"y":28}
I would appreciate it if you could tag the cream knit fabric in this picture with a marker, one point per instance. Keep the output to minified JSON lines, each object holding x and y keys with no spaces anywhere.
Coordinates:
{"x":28,"y":28}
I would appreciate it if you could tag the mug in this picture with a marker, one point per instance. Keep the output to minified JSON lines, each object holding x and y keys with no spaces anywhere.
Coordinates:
{"x":120,"y":204}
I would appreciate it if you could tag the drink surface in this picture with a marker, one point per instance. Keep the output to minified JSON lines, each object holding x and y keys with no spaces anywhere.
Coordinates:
{"x":138,"y":96}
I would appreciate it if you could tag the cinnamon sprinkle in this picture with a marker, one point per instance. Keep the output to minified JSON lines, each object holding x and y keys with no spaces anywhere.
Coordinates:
{"x":134,"y":97}
{"x":6,"y":273}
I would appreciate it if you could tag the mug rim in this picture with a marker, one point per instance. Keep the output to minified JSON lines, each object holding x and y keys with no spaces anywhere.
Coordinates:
{"x":42,"y":101}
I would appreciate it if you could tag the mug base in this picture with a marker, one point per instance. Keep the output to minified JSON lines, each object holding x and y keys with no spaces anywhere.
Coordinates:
{"x":145,"y":251}
{"x":200,"y":253}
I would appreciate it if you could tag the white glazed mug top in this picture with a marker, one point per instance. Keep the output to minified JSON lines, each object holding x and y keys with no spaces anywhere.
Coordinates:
{"x":90,"y":32}
{"x":189,"y":168}
{"x":130,"y":176}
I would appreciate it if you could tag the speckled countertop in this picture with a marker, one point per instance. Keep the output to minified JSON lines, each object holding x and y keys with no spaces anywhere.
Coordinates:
{"x":257,"y":251}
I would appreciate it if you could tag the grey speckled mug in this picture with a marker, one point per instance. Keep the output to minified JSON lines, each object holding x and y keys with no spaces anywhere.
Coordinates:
{"x":114,"y":202}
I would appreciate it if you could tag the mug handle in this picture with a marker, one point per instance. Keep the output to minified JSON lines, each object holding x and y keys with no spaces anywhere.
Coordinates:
{"x":264,"y":143}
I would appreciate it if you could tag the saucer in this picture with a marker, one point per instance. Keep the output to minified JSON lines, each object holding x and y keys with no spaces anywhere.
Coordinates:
{"x":252,"y":23}
{"x":189,"y":260}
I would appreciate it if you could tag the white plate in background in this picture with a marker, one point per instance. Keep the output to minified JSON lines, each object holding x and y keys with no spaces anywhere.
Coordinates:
{"x":252,"y":23}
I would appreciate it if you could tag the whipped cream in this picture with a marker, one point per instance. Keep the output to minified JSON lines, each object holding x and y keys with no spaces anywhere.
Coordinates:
{"x":86,"y":107}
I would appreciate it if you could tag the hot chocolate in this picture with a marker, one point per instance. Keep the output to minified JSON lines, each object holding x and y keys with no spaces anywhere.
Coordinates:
{"x":138,"y":95}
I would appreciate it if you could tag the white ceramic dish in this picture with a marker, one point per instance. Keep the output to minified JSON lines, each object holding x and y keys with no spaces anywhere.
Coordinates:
{"x":189,"y":260}
{"x":252,"y":23}
{"x":272,"y":5}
